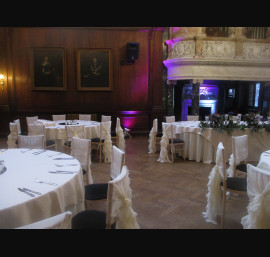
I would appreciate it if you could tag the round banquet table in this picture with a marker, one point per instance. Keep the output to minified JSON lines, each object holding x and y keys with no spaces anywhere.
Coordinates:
{"x":60,"y":192}
{"x":202,"y":146}
{"x":56,"y":130}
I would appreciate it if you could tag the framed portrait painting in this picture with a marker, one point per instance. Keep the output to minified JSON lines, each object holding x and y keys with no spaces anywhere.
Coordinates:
{"x":48,"y":68}
{"x":94,"y":69}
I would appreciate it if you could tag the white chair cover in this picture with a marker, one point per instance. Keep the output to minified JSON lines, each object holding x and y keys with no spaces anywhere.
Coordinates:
{"x":61,"y":221}
{"x":170,"y":119}
{"x":164,"y":142}
{"x":192,"y":117}
{"x":258,"y":190}
{"x":105,"y":118}
{"x":213,"y":196}
{"x":13,"y":136}
{"x":121,"y":193}
{"x":58,"y":117}
{"x":75,"y":131}
{"x":117,"y":162}
{"x":85,"y":117}
{"x":36,"y":129}
{"x":105,"y":132}
{"x":34,"y":142}
{"x":31,"y":120}
{"x":81,"y":150}
{"x":18,"y":126}
{"x":152,"y":142}
{"x":240,"y":153}
{"x":120,"y":134}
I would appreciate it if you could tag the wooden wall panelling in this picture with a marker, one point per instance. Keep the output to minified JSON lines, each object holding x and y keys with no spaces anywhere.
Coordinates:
{"x":131,"y":83}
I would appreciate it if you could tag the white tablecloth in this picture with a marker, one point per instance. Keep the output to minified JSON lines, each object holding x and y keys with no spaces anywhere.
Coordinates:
{"x":202,"y":147}
{"x":19,"y":209}
{"x":57,"y":132}
{"x":264,"y":162}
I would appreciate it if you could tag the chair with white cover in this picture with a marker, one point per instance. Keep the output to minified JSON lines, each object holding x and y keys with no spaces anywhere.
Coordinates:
{"x":218,"y":186}
{"x":154,"y":137}
{"x":169,"y":119}
{"x":39,"y":129}
{"x":103,"y":144}
{"x":31,"y":120}
{"x":98,"y":191}
{"x":17,"y":121}
{"x":85,"y":117}
{"x":105,"y":118}
{"x":56,"y":117}
{"x":169,"y":143}
{"x":33,"y":142}
{"x":13,"y":136}
{"x":119,"y":212}
{"x":73,"y":131}
{"x":117,"y":136}
{"x":193,"y":118}
{"x":239,"y":156}
{"x":81,"y":150}
{"x":258,"y":190}
{"x":60,"y":221}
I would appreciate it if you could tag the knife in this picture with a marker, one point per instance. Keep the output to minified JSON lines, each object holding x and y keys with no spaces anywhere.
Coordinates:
{"x":62,"y":172}
{"x":63,"y":158}
{"x":26,"y":192}
{"x":31,"y":191}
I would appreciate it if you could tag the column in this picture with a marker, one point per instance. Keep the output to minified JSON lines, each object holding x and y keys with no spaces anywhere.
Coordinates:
{"x":195,"y":97}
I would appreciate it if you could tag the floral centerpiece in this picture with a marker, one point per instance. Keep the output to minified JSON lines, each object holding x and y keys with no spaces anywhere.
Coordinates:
{"x":220,"y":123}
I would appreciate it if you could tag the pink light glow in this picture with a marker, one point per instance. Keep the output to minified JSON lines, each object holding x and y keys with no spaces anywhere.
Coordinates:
{"x":128,"y":122}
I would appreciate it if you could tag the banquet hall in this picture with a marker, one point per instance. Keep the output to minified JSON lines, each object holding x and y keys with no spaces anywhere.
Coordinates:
{"x":220,"y":76}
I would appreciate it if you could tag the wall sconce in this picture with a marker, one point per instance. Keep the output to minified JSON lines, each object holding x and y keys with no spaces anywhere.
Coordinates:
{"x":2,"y":81}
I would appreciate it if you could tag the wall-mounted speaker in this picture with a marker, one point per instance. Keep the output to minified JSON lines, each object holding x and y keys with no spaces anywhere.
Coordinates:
{"x":132,"y":53}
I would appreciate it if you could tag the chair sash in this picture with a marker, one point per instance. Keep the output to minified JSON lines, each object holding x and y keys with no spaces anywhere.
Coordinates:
{"x":258,"y":189}
{"x":75,"y":131}
{"x":120,"y":134}
{"x":213,"y":195}
{"x":121,"y":198}
{"x":164,"y":142}
{"x":107,"y":146}
{"x":13,"y":136}
{"x":152,"y":140}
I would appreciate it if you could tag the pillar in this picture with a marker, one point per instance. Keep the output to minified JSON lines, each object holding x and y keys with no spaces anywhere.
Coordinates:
{"x":195,"y":97}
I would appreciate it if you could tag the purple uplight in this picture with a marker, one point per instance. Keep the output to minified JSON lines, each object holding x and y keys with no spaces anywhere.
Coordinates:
{"x":130,"y":112}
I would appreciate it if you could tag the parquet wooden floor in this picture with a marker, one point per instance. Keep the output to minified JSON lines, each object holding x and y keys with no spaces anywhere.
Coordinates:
{"x":166,"y":195}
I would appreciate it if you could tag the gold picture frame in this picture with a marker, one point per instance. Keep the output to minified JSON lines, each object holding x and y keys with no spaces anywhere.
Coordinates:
{"x":94,"y":69}
{"x":48,"y":68}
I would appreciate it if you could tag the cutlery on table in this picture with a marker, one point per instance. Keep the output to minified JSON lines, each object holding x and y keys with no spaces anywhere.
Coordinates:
{"x":45,"y":182}
{"x":62,"y":172}
{"x":63,"y":158}
{"x":31,"y":191}
{"x":26,"y":150}
{"x":36,"y":153}
{"x":54,"y":154}
{"x":59,"y":165}
{"x":32,"y":195}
